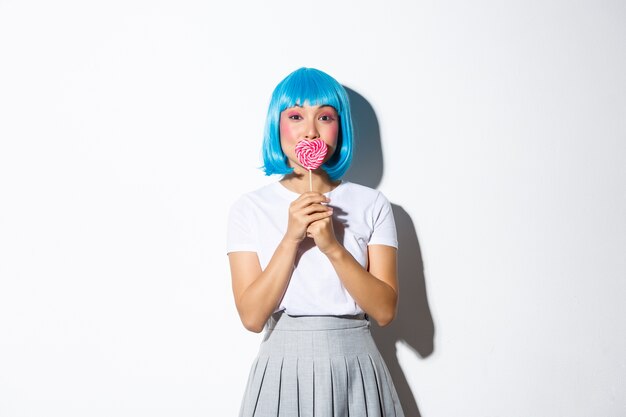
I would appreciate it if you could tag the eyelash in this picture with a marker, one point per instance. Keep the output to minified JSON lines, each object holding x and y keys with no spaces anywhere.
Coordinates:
{"x":329,"y":118}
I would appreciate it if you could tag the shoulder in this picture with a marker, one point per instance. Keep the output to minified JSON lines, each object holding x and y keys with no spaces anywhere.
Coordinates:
{"x":363,"y":195}
{"x":254,"y":197}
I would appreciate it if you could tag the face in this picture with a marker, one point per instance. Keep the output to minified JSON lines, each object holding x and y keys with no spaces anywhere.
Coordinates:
{"x":308,"y":123}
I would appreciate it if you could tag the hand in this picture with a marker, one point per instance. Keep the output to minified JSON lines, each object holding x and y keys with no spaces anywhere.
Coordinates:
{"x":323,"y":234}
{"x":304,"y":211}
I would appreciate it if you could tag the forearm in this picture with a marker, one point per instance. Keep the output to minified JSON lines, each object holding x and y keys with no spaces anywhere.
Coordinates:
{"x":262,"y":296}
{"x":377,"y":298}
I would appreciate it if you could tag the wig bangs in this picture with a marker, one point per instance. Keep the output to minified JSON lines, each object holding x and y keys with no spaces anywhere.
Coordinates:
{"x":312,"y":88}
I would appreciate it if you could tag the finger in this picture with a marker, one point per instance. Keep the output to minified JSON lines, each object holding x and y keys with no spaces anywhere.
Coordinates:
{"x":308,"y":202}
{"x":315,"y":208}
{"x":310,"y":198}
{"x":318,"y":216}
{"x":302,"y":213}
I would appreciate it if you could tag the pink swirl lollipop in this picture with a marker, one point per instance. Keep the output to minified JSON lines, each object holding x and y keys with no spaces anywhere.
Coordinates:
{"x":311,"y":153}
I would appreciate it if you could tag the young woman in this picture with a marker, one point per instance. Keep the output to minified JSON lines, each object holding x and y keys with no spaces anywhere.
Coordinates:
{"x":312,"y":267}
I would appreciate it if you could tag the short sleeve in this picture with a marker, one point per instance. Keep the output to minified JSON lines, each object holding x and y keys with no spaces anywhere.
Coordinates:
{"x":384,"y":226}
{"x":241,"y":233}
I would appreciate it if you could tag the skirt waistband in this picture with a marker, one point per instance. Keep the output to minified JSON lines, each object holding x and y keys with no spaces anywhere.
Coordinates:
{"x":283,"y":321}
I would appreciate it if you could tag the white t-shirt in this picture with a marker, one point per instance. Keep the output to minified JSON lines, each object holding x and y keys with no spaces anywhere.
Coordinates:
{"x":362,"y":216}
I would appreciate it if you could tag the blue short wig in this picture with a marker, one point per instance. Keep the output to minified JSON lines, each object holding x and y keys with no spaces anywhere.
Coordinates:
{"x":307,"y":86}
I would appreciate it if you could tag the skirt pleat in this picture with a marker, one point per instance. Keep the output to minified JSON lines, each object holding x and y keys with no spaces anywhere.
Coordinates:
{"x":373,"y":408}
{"x":244,"y":409}
{"x":305,"y":388}
{"x":288,"y":402}
{"x":384,"y":391}
{"x":397,"y":410}
{"x":254,"y":387}
{"x":339,"y":379}
{"x":323,"y":390}
{"x":267,"y":404}
{"x":357,"y":406}
{"x":319,"y":366}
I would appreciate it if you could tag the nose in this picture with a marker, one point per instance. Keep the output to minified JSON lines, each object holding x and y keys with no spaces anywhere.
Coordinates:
{"x":311,"y":131}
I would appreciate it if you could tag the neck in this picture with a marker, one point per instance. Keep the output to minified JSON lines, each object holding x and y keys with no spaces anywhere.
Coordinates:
{"x":298,"y":181}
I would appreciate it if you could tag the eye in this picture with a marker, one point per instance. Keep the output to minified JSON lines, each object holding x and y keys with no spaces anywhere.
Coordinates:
{"x":294,"y":116}
{"x":327,"y":117}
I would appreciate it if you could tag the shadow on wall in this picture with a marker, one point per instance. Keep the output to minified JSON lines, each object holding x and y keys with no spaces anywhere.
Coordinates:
{"x":414,"y":323}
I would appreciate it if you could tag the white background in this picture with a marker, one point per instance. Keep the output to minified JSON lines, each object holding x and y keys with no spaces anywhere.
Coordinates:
{"x":497,"y":129}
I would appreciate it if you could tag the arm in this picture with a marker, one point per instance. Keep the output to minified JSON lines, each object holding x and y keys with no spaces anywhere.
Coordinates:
{"x":374,"y":289}
{"x":258,"y":292}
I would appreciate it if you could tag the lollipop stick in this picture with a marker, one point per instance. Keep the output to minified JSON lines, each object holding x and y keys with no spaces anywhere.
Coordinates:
{"x":310,"y":181}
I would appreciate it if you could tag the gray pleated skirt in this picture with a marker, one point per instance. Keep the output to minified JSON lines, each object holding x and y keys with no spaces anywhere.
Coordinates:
{"x":319,"y":366}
